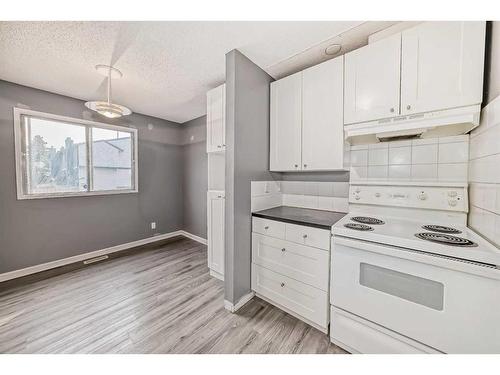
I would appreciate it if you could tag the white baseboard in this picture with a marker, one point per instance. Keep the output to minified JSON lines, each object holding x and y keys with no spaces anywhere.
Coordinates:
{"x":238,"y":305}
{"x":82,"y":257}
{"x":194,"y":237}
{"x":217,"y":275}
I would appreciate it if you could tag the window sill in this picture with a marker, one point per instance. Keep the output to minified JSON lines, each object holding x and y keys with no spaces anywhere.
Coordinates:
{"x":21,"y":196}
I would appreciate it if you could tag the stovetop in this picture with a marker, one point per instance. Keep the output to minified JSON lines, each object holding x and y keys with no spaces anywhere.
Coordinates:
{"x":436,"y":238}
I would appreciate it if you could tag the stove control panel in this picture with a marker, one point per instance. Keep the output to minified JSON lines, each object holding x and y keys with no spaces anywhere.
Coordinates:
{"x":426,"y":197}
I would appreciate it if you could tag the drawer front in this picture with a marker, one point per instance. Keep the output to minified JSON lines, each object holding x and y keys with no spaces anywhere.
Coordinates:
{"x":268,"y":227}
{"x":308,"y":236}
{"x":306,"y":264}
{"x":303,"y":299}
{"x":362,"y":336}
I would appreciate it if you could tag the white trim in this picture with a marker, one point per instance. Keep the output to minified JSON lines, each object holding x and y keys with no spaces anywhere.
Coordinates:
{"x":216,"y":274}
{"x":18,"y":112}
{"x":82,"y":257}
{"x":238,"y":305}
{"x":194,"y":237}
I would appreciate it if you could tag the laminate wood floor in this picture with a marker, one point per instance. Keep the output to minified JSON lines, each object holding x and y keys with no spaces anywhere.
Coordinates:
{"x":157,"y":301}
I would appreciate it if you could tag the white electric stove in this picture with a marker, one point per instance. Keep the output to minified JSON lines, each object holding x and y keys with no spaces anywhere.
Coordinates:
{"x":408,"y":276}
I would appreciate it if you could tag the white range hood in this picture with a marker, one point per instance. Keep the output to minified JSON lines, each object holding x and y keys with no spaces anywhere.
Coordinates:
{"x":448,"y":122}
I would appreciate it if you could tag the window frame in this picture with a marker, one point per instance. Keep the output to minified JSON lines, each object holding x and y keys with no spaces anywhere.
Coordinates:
{"x":21,"y":164}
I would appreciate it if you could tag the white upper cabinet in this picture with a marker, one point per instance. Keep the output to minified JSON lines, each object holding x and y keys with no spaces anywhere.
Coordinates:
{"x":215,"y":210}
{"x":442,"y":66}
{"x":286,"y":122}
{"x":322,"y":116}
{"x":372,"y":81}
{"x":216,"y":119}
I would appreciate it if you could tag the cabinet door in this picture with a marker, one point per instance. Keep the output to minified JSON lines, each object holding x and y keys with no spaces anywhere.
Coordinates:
{"x":322,"y":116}
{"x":215,"y":213}
{"x":372,"y":81}
{"x":286,"y":123}
{"x":216,"y":119}
{"x":442,"y":66}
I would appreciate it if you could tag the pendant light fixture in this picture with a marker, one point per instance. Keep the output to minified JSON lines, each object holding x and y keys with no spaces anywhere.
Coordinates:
{"x":107,"y":108}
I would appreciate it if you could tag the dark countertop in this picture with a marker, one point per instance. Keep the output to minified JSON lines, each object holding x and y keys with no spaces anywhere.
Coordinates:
{"x":301,"y":216}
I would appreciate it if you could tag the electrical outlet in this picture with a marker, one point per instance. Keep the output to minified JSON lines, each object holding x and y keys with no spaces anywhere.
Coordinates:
{"x":153,"y":225}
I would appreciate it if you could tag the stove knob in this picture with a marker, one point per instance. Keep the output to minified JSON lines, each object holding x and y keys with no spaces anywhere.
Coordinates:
{"x":357,"y":190}
{"x":452,"y":194}
{"x":452,"y":202}
{"x":357,"y":197}
{"x":422,"y":196}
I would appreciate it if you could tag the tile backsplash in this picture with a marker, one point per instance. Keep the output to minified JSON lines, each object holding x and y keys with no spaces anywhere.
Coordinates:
{"x":484,"y":174}
{"x":434,"y":159}
{"x":330,"y":196}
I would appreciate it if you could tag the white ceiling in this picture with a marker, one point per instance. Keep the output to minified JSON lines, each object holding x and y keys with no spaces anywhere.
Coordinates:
{"x":167,"y":66}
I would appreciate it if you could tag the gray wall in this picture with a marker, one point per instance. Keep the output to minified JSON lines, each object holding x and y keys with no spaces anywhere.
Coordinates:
{"x":195,"y":176}
{"x":492,"y":64}
{"x":43,"y":230}
{"x":247,"y":159}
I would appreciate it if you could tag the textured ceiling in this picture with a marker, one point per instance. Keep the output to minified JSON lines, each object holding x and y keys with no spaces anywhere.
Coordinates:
{"x":167,"y":66}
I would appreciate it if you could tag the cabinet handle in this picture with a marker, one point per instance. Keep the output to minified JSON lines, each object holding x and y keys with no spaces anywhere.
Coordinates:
{"x":296,"y":165}
{"x":305,"y":165}
{"x":219,"y":146}
{"x":392,"y":110}
{"x":266,"y":227}
{"x":408,"y":106}
{"x":283,"y":250}
{"x":282,"y":285}
{"x":304,"y":236}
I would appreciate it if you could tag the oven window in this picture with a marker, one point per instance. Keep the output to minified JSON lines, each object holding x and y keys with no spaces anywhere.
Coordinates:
{"x":411,"y":288}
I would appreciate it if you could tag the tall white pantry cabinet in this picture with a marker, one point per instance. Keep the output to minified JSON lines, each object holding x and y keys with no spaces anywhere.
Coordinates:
{"x":216,"y":146}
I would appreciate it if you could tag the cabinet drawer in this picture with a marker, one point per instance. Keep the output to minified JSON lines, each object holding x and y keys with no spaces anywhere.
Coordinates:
{"x":268,"y":227}
{"x":302,"y":263}
{"x":308,"y":236}
{"x":305,"y":300}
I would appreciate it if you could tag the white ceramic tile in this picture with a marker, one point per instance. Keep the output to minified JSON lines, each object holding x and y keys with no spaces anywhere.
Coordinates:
{"x":293,"y":200}
{"x":378,"y":156}
{"x":406,"y":143}
{"x":452,"y":172}
{"x":325,"y":189}
{"x":486,"y":143}
{"x":377,"y":172}
{"x":325,"y":203}
{"x":310,"y":201}
{"x":359,"y":158}
{"x":341,"y":189}
{"x":427,"y":154}
{"x":455,"y":138}
{"x":424,"y":172}
{"x":379,"y":145}
{"x":359,"y":147}
{"x":310,"y":188}
{"x":424,"y":141}
{"x":399,"y":172}
{"x":341,"y":204}
{"x":485,"y":170}
{"x":400,"y":155}
{"x":266,"y":201}
{"x":358,"y":173}
{"x":292,"y":187}
{"x":457,"y":152}
{"x":257,"y":188}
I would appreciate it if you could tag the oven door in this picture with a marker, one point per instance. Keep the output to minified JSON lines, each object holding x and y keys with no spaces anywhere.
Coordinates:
{"x":450,"y":310}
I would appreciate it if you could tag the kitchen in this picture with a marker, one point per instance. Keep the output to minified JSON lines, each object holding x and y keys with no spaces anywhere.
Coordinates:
{"x":305,"y":187}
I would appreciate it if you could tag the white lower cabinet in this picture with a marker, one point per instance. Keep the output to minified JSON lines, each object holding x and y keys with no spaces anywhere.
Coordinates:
{"x":290,"y":274}
{"x":215,"y":240}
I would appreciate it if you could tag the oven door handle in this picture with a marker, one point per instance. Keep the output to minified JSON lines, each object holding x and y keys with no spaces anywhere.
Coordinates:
{"x":416,"y":256}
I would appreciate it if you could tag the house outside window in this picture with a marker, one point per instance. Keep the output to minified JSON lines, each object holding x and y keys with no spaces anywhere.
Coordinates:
{"x":58,"y":156}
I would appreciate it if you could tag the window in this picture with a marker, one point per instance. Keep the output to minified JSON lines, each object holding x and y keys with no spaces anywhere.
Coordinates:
{"x":59,"y":156}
